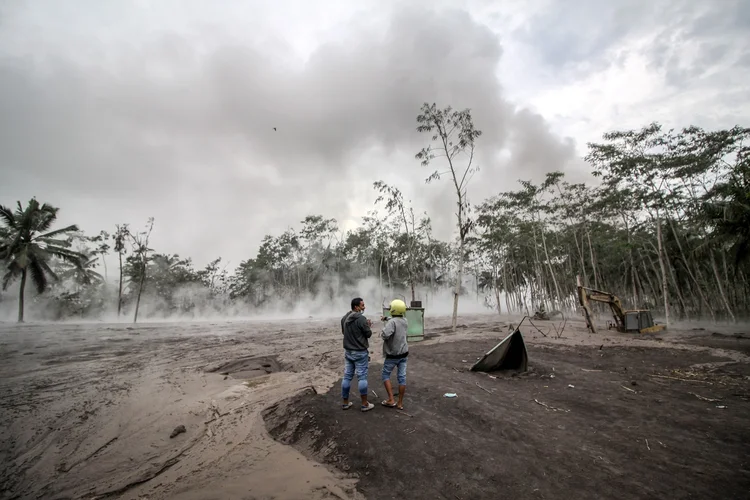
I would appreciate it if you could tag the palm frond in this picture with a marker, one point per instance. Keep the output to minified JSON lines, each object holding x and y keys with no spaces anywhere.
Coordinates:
{"x":7,"y":217}
{"x":13,"y":272}
{"x":51,"y":234}
{"x":20,"y":211}
{"x":52,"y":241}
{"x":75,"y":258}
{"x":48,"y":270}
{"x":44,"y":219}
{"x":7,"y":278}
{"x":37,"y":275}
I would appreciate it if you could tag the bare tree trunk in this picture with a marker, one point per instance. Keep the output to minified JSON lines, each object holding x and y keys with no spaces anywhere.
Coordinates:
{"x":636,"y":301}
{"x":579,"y":247}
{"x":720,"y":287}
{"x":140,"y":289}
{"x":726,"y":280}
{"x":593,"y":259}
{"x":538,"y":269}
{"x":21,"y":295}
{"x":664,"y":285}
{"x":689,"y":271}
{"x":505,"y":286}
{"x":457,"y":291}
{"x":119,"y":291}
{"x":390,"y":283}
{"x":380,"y":279}
{"x":495,"y":278}
{"x":646,"y":273}
{"x":551,"y":271}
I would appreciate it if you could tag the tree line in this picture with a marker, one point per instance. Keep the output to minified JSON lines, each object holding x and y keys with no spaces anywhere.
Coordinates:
{"x":664,"y":224}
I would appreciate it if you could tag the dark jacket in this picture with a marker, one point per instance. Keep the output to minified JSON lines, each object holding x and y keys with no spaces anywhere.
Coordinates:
{"x":356,"y":331}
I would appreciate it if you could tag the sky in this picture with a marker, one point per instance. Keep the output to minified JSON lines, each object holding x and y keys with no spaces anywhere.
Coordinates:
{"x":119,"y":111}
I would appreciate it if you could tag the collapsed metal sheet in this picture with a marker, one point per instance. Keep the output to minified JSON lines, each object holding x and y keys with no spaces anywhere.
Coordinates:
{"x":509,"y":354}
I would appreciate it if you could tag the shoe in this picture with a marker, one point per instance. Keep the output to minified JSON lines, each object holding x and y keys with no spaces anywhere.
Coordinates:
{"x":369,"y":407}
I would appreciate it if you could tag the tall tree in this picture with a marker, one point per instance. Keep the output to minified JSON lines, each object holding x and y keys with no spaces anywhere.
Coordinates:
{"x":141,"y":251}
{"x":120,"y":237}
{"x":453,"y":137}
{"x":394,"y":203}
{"x":29,"y":245}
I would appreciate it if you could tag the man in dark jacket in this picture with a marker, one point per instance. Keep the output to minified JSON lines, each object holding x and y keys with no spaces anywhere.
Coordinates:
{"x":356,"y":330}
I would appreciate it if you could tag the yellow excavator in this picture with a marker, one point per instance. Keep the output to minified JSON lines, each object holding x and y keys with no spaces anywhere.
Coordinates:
{"x":635,"y":320}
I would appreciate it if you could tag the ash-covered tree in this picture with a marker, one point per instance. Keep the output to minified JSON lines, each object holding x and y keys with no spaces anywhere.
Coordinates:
{"x":141,"y":251}
{"x":452,"y":136}
{"x":120,"y":238}
{"x":28,"y":245}
{"x":404,"y":218}
{"x":101,"y":248}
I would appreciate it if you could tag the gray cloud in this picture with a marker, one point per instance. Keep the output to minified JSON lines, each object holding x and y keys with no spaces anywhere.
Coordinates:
{"x":183,"y":130}
{"x":577,"y":37}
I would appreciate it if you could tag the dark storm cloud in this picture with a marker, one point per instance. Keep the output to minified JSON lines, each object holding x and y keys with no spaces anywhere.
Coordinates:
{"x":165,"y":129}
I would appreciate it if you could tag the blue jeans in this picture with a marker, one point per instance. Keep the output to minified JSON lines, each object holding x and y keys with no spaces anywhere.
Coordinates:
{"x":359,"y":361}
{"x":390,"y":364}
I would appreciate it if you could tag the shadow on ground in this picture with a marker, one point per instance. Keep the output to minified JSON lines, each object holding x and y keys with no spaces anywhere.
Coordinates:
{"x":585,"y":422}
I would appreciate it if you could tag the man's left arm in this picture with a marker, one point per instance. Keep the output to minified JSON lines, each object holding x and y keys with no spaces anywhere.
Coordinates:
{"x":365,"y":326}
{"x":388,"y":330}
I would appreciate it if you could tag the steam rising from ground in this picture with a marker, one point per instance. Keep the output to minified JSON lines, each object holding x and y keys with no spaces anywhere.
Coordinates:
{"x":198,"y":304}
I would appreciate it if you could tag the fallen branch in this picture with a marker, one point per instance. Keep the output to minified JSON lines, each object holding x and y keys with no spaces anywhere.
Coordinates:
{"x":558,"y":333}
{"x":549,"y":407}
{"x":584,"y":369}
{"x":682,"y":379}
{"x":564,"y":324}
{"x":532,"y":324}
{"x":375,"y":393}
{"x":402,"y":412}
{"x":647,"y":446}
{"x":628,"y":389}
{"x":485,"y":390}
{"x":703,"y":398}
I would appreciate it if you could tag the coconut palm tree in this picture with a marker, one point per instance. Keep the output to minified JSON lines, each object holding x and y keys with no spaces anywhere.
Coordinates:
{"x":28,"y":245}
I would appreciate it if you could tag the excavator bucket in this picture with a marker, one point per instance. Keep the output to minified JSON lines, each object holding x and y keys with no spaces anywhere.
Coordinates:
{"x":653,"y":329}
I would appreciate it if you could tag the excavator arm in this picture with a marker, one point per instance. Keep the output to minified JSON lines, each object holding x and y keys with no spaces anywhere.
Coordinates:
{"x":585,"y":295}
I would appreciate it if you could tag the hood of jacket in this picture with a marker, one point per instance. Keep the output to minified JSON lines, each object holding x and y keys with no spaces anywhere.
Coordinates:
{"x":353,"y":317}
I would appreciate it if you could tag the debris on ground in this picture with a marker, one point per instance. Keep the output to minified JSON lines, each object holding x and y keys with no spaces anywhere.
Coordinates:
{"x":177,"y":431}
{"x":702,"y":398}
{"x":549,"y":407}
{"x":509,"y":354}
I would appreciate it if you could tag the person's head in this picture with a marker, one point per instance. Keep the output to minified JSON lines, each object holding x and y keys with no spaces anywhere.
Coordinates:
{"x":358,"y":305}
{"x":398,"y":308}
